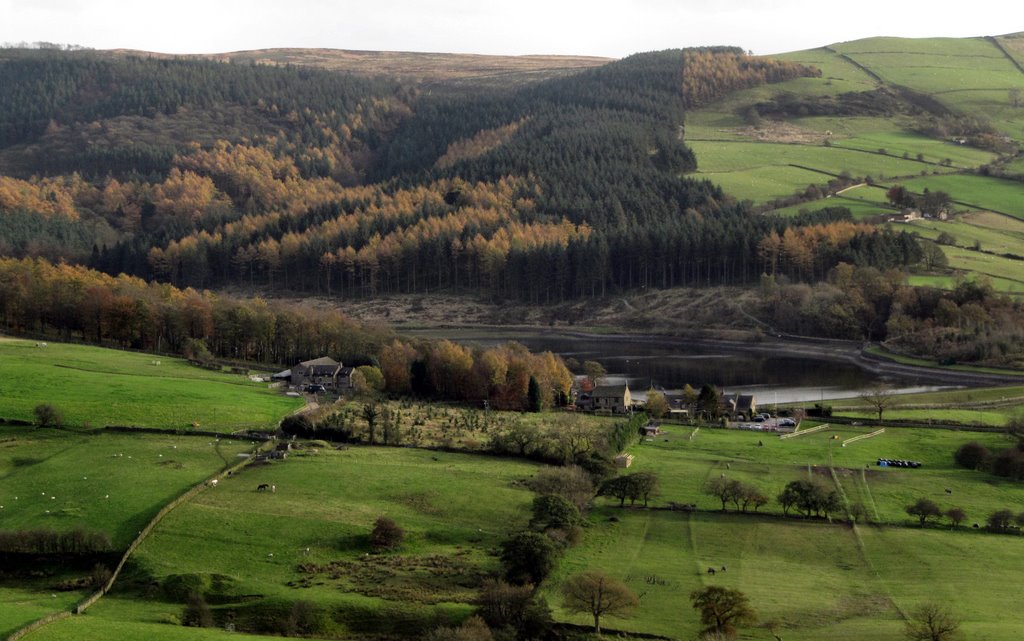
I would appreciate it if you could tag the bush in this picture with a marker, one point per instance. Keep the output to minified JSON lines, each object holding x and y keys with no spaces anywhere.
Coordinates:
{"x":973,"y":456}
{"x":197,"y":613}
{"x":100,"y":575}
{"x":386,"y":535}
{"x":571,"y":482}
{"x":297,"y":425}
{"x":47,"y":415}
{"x":1009,"y":463}
{"x":1000,"y":520}
{"x":554,"y":512}
{"x":528,"y":557}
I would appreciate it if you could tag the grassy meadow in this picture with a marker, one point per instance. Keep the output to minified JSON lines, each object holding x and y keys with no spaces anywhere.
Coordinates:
{"x":110,"y":482}
{"x":114,"y":483}
{"x":807,"y":579}
{"x":973,"y":192}
{"x":309,"y":540}
{"x":94,"y":386}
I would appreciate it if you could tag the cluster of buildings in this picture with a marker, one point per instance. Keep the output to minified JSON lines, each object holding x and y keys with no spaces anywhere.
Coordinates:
{"x":322,"y":374}
{"x":617,"y":399}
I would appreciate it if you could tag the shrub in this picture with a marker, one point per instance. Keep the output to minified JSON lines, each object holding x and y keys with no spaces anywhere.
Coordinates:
{"x":386,"y":535}
{"x":553,"y":511}
{"x":197,"y":613}
{"x":47,"y":415}
{"x":528,"y":557}
{"x":999,"y":521}
{"x":973,"y":456}
{"x":571,"y":482}
{"x":100,"y":575}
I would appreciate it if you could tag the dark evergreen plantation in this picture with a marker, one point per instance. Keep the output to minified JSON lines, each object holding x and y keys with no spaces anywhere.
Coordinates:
{"x":208,"y":174}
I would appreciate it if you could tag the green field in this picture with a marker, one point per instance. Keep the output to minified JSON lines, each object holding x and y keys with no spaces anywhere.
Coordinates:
{"x":990,"y":232}
{"x":863,"y":201}
{"x":109,"y":482}
{"x":684,"y":465}
{"x":113,"y":483}
{"x":808,"y":578}
{"x":455,"y":509}
{"x":969,"y":75}
{"x":760,"y":171}
{"x":898,"y":143}
{"x":977,"y":192}
{"x":96,"y":387}
{"x":308,"y":539}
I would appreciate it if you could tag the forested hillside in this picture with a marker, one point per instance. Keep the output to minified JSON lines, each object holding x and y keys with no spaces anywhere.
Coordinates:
{"x":564,"y":184}
{"x":340,"y":184}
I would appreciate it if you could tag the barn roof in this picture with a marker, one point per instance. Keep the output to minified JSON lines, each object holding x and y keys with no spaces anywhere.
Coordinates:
{"x":609,"y":391}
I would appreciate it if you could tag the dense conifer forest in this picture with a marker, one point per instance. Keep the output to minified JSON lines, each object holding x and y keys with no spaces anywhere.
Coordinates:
{"x":203,"y":174}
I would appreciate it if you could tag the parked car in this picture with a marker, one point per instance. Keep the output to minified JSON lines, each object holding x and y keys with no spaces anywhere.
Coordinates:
{"x":787,"y":422}
{"x":758,"y":419}
{"x":315,"y":389}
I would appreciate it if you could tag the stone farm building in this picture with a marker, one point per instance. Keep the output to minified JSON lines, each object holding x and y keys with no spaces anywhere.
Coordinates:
{"x":320,"y":371}
{"x":611,"y":398}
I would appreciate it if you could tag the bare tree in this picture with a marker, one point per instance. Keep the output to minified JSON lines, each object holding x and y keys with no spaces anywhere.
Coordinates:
{"x":879,"y":397}
{"x":931,"y":622}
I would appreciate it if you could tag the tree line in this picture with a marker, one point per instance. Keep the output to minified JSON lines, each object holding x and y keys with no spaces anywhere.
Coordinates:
{"x":72,"y":302}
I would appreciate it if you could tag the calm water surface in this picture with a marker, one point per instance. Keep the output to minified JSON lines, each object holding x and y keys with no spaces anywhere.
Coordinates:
{"x":671,"y":364}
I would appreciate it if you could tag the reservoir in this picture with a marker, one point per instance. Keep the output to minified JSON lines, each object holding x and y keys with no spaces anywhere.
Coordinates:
{"x":772,"y":375}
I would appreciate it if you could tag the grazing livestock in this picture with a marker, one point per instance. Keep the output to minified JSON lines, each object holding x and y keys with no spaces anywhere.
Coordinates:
{"x":949,"y":491}
{"x":711,"y":570}
{"x":263,"y":487}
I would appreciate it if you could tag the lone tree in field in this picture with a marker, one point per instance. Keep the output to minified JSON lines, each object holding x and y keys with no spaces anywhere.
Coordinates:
{"x":47,"y":415}
{"x":972,"y":455}
{"x":598,"y":594}
{"x":386,"y":535}
{"x":924,"y":509}
{"x":722,"y":609}
{"x":931,"y":622}
{"x":879,"y":397}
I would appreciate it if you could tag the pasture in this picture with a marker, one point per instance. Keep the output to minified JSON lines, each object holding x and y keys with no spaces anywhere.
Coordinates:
{"x":110,"y":482}
{"x":974,"y":192}
{"x":684,"y":466}
{"x":806,"y":580}
{"x":863,"y":201}
{"x":761,"y":171}
{"x":309,"y":540}
{"x":984,"y":230}
{"x":113,"y":483}
{"x":93,"y":386}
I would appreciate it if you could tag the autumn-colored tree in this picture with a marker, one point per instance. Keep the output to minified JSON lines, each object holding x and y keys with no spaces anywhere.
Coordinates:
{"x":598,"y":595}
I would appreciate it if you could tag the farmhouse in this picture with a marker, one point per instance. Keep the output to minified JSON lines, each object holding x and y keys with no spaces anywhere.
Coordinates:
{"x":319,"y":371}
{"x":613,"y":398}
